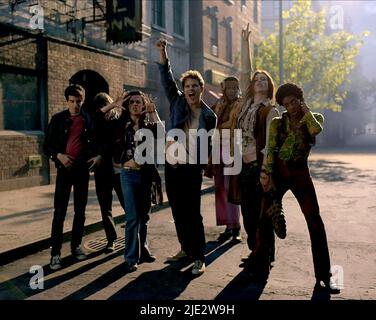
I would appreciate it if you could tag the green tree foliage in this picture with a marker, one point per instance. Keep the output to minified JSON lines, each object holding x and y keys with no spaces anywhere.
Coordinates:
{"x":314,"y":58}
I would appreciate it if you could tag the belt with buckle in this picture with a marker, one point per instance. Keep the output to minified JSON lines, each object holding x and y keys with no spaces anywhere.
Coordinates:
{"x":132,"y":168}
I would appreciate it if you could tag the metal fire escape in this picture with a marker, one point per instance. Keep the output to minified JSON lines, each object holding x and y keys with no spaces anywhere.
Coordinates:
{"x":74,"y":14}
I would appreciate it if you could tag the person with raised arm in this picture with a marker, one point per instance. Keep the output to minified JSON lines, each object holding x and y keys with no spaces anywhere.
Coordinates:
{"x":139,"y":113}
{"x":256,"y":113}
{"x":291,"y":138}
{"x":189,"y":114}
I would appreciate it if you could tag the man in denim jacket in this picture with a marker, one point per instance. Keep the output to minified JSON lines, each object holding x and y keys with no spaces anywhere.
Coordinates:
{"x":183,"y":174}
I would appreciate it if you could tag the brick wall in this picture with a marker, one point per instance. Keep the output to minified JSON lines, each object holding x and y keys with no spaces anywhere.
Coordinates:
{"x":19,"y":53}
{"x":64,"y":60}
{"x":15,"y":147}
{"x":14,"y":152}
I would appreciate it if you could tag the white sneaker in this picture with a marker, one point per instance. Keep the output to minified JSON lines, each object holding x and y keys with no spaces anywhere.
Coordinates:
{"x":180,"y":255}
{"x":55,"y":263}
{"x":198,"y":267}
{"x":79,"y":254}
{"x":130,"y":267}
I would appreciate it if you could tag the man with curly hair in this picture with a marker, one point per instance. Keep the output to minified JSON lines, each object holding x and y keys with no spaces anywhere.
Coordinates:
{"x":291,"y":137}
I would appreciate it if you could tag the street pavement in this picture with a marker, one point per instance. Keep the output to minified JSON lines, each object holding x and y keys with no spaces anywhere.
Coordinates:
{"x":345,"y":186}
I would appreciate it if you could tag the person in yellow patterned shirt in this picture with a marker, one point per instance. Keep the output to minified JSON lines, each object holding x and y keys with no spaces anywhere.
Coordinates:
{"x":291,"y":138}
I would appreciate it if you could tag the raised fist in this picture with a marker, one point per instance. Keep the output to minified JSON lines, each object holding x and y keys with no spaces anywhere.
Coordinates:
{"x":161,"y":44}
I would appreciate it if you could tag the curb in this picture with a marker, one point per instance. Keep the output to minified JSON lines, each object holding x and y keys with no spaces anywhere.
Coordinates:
{"x":40,"y":245}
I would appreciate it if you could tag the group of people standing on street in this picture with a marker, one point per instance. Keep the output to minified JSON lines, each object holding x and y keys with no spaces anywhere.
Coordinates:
{"x":102,"y":139}
{"x":274,"y":150}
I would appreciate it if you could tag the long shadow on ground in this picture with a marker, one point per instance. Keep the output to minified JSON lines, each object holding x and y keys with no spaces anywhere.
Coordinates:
{"x":331,"y":171}
{"x":19,"y":288}
{"x":242,"y":287}
{"x":169,"y":282}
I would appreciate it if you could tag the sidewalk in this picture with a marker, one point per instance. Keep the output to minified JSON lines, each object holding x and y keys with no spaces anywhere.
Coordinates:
{"x":26,"y":218}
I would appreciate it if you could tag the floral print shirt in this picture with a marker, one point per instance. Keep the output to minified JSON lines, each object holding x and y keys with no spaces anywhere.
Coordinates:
{"x":246,"y":122}
{"x":295,"y":146}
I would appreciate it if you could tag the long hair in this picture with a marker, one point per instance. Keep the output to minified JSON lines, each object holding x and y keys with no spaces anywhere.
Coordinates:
{"x":100,"y":100}
{"x":126,"y":106}
{"x":251,"y":88}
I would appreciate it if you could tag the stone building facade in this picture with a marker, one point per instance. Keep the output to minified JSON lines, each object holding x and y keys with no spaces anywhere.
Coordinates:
{"x":218,"y":25}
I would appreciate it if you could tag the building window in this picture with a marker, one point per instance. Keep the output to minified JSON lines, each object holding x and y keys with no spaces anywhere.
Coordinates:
{"x":178,"y":17}
{"x":230,"y":2}
{"x":255,"y":11}
{"x":18,"y":102}
{"x":229,"y":44}
{"x":159,"y":13}
{"x":243,"y":5}
{"x":214,"y":35}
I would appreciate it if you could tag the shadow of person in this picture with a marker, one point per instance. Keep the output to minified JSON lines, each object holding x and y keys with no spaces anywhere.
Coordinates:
{"x":243,"y":287}
{"x":212,"y":251}
{"x":330,"y":171}
{"x":163,"y":284}
{"x":216,"y":249}
{"x":103,"y":281}
{"x":167,"y":283}
{"x":320,"y":294}
{"x":19,"y":287}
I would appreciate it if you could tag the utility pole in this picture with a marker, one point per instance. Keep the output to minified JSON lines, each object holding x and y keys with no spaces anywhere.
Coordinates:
{"x":280,"y":44}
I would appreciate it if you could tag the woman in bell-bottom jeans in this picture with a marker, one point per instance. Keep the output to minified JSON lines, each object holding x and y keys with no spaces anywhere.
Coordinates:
{"x":136,"y":186}
{"x":136,"y":178}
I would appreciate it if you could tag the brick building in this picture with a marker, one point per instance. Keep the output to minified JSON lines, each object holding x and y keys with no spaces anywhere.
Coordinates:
{"x":216,"y":49}
{"x":69,"y":46}
{"x":40,"y":57}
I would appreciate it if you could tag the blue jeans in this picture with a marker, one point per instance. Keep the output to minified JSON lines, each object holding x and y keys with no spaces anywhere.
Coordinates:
{"x":136,"y":186}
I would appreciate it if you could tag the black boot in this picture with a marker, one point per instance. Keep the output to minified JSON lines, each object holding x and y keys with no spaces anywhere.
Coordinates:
{"x":236,"y":237}
{"x":225,"y":235}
